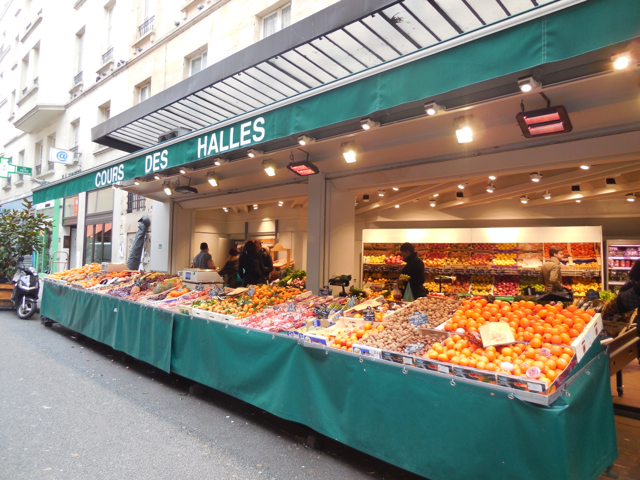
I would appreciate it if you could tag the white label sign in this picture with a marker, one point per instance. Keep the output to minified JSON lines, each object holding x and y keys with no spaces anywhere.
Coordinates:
{"x":61,"y":156}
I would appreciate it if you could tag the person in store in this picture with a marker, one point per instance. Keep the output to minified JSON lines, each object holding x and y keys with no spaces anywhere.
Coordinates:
{"x":203,"y":259}
{"x":267,"y":261}
{"x":230,"y":269}
{"x":551,"y":271}
{"x":414,"y":269}
{"x":629,"y":295}
{"x":250,"y":265}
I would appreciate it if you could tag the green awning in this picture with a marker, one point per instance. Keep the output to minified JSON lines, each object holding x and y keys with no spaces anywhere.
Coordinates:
{"x":559,"y":36}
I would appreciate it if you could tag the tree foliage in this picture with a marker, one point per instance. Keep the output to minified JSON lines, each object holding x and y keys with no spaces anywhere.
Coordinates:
{"x":21,"y":233}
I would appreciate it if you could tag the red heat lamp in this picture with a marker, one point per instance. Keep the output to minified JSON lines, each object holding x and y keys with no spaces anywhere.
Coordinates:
{"x":303,"y":168}
{"x":547,"y":121}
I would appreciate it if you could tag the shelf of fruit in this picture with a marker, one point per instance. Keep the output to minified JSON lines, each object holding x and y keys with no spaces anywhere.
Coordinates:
{"x":506,"y":246}
{"x":461,"y":284}
{"x":481,"y":285}
{"x":505,"y":260}
{"x":506,"y":286}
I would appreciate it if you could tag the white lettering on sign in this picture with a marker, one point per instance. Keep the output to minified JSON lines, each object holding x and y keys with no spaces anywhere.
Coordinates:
{"x":216,"y":143}
{"x":110,"y":176}
{"x":156,"y":162}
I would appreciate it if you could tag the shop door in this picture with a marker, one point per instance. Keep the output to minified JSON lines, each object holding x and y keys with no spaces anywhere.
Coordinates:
{"x":97,"y":247}
{"x":73,"y":233}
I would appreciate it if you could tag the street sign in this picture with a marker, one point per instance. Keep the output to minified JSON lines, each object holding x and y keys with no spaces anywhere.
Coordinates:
{"x":23,"y":170}
{"x":61,"y":156}
{"x":6,"y":168}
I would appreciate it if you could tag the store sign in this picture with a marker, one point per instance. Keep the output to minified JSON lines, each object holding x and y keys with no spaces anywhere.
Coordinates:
{"x":6,"y":168}
{"x":58,"y":155}
{"x":231,"y":138}
{"x":109,"y":176}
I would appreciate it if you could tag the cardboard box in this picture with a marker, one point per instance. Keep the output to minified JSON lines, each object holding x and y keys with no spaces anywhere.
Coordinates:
{"x":222,"y":318}
{"x":196,"y":312}
{"x":396,"y":357}
{"x":583,"y":342}
{"x":315,"y":339}
{"x":367,"y":351}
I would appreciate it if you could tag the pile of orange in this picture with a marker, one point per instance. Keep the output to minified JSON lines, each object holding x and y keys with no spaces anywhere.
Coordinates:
{"x":514,"y":359}
{"x":345,"y":340}
{"x":530,"y":322}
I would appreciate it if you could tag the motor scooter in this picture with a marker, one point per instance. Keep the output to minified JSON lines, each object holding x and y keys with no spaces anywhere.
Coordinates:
{"x":25,"y":291}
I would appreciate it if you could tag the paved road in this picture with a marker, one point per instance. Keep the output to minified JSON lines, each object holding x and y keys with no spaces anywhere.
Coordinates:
{"x":71,"y":408}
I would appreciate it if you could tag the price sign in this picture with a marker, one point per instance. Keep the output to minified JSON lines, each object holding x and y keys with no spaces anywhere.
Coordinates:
{"x":351,"y":302}
{"x":587,"y":274}
{"x":325,"y":291}
{"x":413,"y":348}
{"x":252,"y":290}
{"x":417,"y":319}
{"x":321,"y":311}
{"x":369,"y":315}
{"x":199,"y":287}
{"x":291,"y":307}
{"x":592,"y":295}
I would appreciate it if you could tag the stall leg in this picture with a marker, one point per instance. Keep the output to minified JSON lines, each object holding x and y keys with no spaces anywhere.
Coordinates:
{"x":619,"y":383}
{"x":609,"y":473}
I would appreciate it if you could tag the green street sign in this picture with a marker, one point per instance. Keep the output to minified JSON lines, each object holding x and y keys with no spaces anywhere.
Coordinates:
{"x":23,"y":170}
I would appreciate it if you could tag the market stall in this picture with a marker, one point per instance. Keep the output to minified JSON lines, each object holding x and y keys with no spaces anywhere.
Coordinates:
{"x":289,"y":353}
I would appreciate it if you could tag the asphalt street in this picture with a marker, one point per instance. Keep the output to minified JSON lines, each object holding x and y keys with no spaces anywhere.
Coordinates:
{"x":71,"y":408}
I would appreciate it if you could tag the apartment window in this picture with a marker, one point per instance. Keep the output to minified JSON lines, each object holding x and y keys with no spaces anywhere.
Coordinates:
{"x":144,"y":91}
{"x":51,"y":143}
{"x":24,"y":75}
{"x":104,"y":112}
{"x":79,"y":50}
{"x":13,"y":103}
{"x":21,"y":163}
{"x":276,"y":21}
{"x":109,"y":24}
{"x":75,"y":134}
{"x":135,"y":203}
{"x":198,"y":63}
{"x":38,"y":157}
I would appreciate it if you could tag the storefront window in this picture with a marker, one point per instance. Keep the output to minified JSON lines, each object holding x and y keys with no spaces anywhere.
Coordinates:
{"x":98,"y":243}
{"x":100,"y":201}
{"x":70,"y":207}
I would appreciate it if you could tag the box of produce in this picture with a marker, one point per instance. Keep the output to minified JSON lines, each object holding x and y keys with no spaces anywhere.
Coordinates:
{"x":503,"y":260}
{"x":584,"y":250}
{"x":435,"y":259}
{"x":583,"y":342}
{"x":506,"y":246}
{"x":481,"y":259}
{"x":458,"y":258}
{"x":486,"y":247}
{"x":196,"y":312}
{"x":481,"y":285}
{"x":311,"y":339}
{"x":461,"y":284}
{"x":530,"y":259}
{"x":530,"y":247}
{"x":222,"y":318}
{"x":506,"y":285}
{"x":437,"y":246}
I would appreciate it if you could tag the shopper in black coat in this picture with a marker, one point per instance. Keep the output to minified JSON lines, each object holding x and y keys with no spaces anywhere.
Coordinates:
{"x":629,"y":295}
{"x":414,"y":269}
{"x":268,"y":263}
{"x":250,"y":265}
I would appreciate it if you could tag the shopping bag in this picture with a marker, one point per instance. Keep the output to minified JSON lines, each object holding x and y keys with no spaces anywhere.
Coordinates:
{"x":408,"y":294}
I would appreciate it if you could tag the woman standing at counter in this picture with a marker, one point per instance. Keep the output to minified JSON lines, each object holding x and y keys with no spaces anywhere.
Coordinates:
{"x":230,"y":269}
{"x":250,"y":266}
{"x":414,"y":269}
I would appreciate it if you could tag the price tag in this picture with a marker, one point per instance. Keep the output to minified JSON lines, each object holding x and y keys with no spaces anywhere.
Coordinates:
{"x":369,"y":315}
{"x":291,"y":307}
{"x":351,"y":302}
{"x":587,"y":274}
{"x":325,"y":291}
{"x":199,"y":287}
{"x":252,"y":290}
{"x":592,"y":295}
{"x":413,"y":348}
{"x":418,"y":319}
{"x":321,"y":311}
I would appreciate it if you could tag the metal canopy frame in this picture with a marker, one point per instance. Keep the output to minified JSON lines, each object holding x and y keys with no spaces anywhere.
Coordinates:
{"x":314,"y":52}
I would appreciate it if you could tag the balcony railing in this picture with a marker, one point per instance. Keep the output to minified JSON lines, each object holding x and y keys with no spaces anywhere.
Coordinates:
{"x":135,"y":203}
{"x":50,"y":165}
{"x":107,"y":56}
{"x":77,"y":79}
{"x":38,"y":169}
{"x":146,"y":27}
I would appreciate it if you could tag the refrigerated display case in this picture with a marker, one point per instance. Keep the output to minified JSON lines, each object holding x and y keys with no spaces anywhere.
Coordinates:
{"x":621,"y":255}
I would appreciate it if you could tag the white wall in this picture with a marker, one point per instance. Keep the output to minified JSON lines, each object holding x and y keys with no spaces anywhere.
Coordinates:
{"x":161,"y":235}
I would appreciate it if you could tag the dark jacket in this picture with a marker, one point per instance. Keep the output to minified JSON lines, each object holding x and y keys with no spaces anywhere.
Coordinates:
{"x":628,"y":297}
{"x":415,"y":269}
{"x":267,"y":261}
{"x":230,"y":270}
{"x":251,"y":268}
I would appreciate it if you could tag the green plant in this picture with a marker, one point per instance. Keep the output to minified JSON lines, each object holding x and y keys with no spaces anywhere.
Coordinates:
{"x":21,"y":233}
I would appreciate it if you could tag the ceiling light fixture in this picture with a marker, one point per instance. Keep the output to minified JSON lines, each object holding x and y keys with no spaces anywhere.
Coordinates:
{"x":212,"y":178}
{"x":381,"y":193}
{"x":365,"y":198}
{"x":432,"y":202}
{"x":157,"y":176}
{"x":137,"y":181}
{"x":349,"y":152}
{"x":254,"y":153}
{"x":269,"y":168}
{"x":280,"y":203}
{"x":436,"y":195}
{"x":578,"y":201}
{"x":218,"y":161}
{"x":304,"y":140}
{"x":631,"y":197}
{"x":527,"y":84}
{"x":166,"y":186}
{"x":433,"y":108}
{"x":575,"y":188}
{"x":492,"y":177}
{"x":585,"y":167}
{"x":395,"y":189}
{"x":547,"y":195}
{"x":464,"y":133}
{"x":462,"y":185}
{"x":397,"y":206}
{"x":225,"y":209}
{"x":524,"y":199}
{"x":368,"y":124}
{"x":491,"y":188}
{"x":535,"y":177}
{"x":184,"y":170}
{"x":621,"y":60}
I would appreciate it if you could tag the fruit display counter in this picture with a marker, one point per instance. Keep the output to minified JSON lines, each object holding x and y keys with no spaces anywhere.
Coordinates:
{"x":286,"y":355}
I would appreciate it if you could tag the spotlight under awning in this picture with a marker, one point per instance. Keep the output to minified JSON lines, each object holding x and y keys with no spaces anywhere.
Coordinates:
{"x":303,"y":168}
{"x":547,"y":121}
